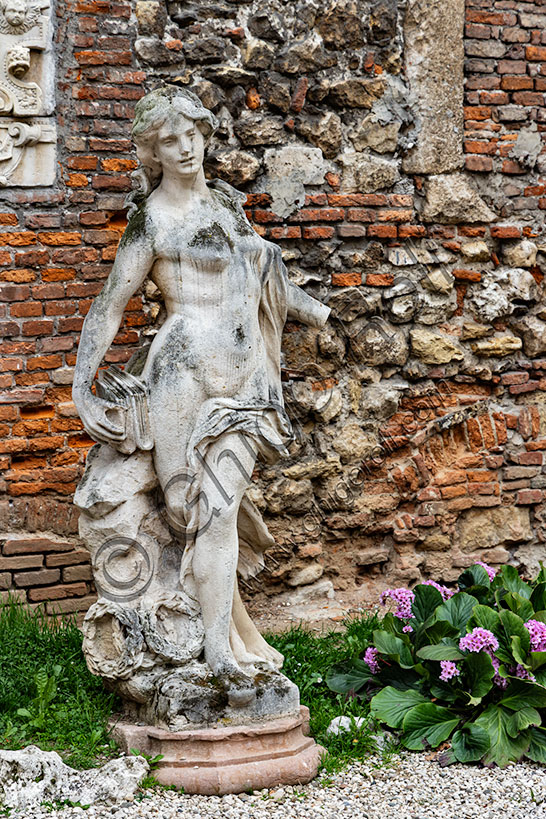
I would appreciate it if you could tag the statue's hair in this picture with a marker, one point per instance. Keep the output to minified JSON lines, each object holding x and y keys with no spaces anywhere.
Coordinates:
{"x":151,"y":112}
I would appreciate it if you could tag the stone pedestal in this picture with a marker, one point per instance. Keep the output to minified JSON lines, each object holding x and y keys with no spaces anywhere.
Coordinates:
{"x":229,"y":759}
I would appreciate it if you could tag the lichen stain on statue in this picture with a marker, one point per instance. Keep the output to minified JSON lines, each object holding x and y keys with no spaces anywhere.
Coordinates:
{"x":164,"y":506}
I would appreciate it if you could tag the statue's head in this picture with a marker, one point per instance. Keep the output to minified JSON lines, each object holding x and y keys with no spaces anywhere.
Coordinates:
{"x":15,"y":12}
{"x":161,"y":114}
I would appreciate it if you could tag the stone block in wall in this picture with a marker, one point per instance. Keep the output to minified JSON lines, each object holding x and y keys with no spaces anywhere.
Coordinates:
{"x":27,"y":136}
{"x":27,"y":152}
{"x":434,"y":62}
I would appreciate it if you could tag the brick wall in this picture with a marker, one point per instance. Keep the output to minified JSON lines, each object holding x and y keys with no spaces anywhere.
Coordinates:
{"x":377,"y":493}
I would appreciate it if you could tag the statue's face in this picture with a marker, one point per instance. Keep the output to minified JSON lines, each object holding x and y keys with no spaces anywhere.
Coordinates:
{"x":15,"y":12}
{"x":180,"y":146}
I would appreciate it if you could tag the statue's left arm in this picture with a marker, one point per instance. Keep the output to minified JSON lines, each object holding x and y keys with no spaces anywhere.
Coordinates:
{"x":304,"y":308}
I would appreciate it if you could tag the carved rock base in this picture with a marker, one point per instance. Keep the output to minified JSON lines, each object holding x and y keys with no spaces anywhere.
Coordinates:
{"x":227,"y":759}
{"x":190,"y":698}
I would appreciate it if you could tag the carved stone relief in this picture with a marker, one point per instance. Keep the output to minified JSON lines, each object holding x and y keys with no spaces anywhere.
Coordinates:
{"x":27,"y":133}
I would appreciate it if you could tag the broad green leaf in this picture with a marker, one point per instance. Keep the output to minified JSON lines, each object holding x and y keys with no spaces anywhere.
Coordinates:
{"x":401,"y":678}
{"x":485,"y":617}
{"x":538,"y":597}
{"x":537,"y":659}
{"x":513,"y":582}
{"x":393,"y":647}
{"x":479,"y":673}
{"x":523,"y":693}
{"x":519,"y":605}
{"x":477,"y":576}
{"x":522,"y":719}
{"x":427,"y":725}
{"x":351,"y":678}
{"x":440,"y":651}
{"x":474,"y":580}
{"x":540,"y":615}
{"x":512,"y":626}
{"x":391,"y":623}
{"x":540,"y":676}
{"x":427,"y":599}
{"x":470,"y":743}
{"x":391,"y":705}
{"x":437,"y":631}
{"x":537,"y":746}
{"x":457,"y":610}
{"x":520,"y":656}
{"x":495,"y":720}
{"x":541,"y":576}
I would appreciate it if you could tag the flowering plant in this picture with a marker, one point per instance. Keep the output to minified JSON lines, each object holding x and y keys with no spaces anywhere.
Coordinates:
{"x":466,"y":665}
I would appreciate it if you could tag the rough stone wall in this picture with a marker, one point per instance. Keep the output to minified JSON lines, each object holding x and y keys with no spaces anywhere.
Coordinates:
{"x":406,"y":184}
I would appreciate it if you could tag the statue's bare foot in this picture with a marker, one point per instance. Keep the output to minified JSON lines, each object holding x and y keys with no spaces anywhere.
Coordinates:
{"x":239,"y":686}
{"x":240,"y":689}
{"x":258,"y":646}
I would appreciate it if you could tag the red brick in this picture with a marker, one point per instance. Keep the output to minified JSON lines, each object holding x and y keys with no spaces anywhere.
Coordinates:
{"x":70,"y":605}
{"x":535,"y":53}
{"x":346,"y":279}
{"x":505,"y":18}
{"x":58,"y":592}
{"x":505,"y":232}
{"x":527,"y":497}
{"x":68,"y":558}
{"x":529,"y":458}
{"x":22,"y":562}
{"x":394,"y":215}
{"x":407,"y":231}
{"x":289,"y":232}
{"x":467,"y":275}
{"x":17,"y":239}
{"x":383,"y":231}
{"x":318,"y":232}
{"x":73,"y":574}
{"x":319,"y":215}
{"x":60,"y":238}
{"x":28,"y":545}
{"x":512,"y":67}
{"x":37,"y":328}
{"x":41,"y":577}
{"x":477,"y":112}
{"x":379,"y":279}
{"x":516,"y":83}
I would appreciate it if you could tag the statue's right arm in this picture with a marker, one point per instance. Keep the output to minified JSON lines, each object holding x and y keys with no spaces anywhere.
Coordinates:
{"x":134,"y":260}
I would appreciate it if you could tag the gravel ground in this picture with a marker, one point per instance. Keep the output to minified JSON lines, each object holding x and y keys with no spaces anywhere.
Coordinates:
{"x":409,"y":787}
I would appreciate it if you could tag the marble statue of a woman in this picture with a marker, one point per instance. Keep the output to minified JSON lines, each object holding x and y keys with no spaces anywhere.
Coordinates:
{"x":212,"y":403}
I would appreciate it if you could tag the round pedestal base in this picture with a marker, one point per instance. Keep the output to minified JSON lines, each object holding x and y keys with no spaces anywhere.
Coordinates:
{"x":220,"y":760}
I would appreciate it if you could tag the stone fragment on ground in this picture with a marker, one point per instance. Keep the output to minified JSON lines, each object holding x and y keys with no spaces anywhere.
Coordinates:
{"x":31,"y":777}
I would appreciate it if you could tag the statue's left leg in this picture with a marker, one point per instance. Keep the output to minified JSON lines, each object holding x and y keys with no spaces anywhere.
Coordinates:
{"x":220,"y":486}
{"x":252,"y":641}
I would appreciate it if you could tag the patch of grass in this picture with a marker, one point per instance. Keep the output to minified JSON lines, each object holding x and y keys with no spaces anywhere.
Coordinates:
{"x":44,"y":677}
{"x":308,"y":658}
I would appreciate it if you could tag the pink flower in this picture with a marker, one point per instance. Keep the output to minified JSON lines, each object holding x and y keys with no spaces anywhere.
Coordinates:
{"x":523,"y":674}
{"x":479,"y":639}
{"x":370,"y":658}
{"x":403,"y":599}
{"x":537,"y":633}
{"x":489,"y":569}
{"x":499,"y":681}
{"x":449,"y":670}
{"x":407,"y":629}
{"x":444,"y":591}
